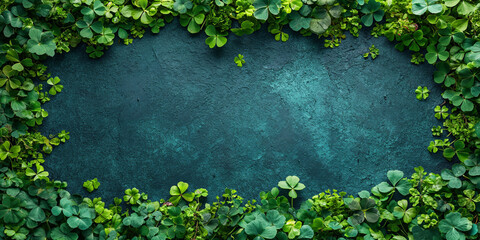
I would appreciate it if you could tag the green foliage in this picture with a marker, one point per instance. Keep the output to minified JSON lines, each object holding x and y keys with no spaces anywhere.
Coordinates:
{"x":441,"y":112}
{"x":420,"y":7}
{"x":131,"y":196}
{"x":422,"y":93}
{"x":292,"y":184}
{"x":9,"y":151}
{"x":56,"y":88}
{"x":413,"y":41}
{"x":435,"y":53}
{"x":265,"y":7}
{"x":91,"y":185}
{"x":454,"y":226}
{"x":417,"y":58}
{"x":372,"y":10}
{"x":181,"y":6}
{"x":396,"y":183}
{"x":179,"y":192}
{"x":437,"y":131}
{"x":373,"y":52}
{"x":40,"y":42}
{"x":364,"y":209}
{"x":239,"y":60}
{"x":215,"y":38}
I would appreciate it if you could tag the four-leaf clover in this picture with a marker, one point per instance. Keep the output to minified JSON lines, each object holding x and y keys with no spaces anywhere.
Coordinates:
{"x":422,"y":93}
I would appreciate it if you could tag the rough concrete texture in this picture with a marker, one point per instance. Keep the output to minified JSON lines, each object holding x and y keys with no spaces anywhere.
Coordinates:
{"x":167,"y":109}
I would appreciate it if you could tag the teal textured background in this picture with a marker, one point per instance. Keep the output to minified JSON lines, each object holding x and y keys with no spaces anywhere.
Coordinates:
{"x":167,"y":109}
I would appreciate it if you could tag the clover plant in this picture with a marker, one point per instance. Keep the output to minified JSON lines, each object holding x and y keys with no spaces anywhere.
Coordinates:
{"x":292,"y":184}
{"x":178,"y":193}
{"x":239,"y":60}
{"x":422,"y":93}
{"x":374,"y":52}
{"x":91,"y":185}
{"x":215,"y":38}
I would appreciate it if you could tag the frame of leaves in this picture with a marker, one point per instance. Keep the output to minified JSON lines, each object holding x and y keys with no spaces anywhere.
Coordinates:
{"x":445,"y":33}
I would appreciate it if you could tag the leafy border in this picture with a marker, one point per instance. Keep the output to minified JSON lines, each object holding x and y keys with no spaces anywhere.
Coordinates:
{"x":445,"y":33}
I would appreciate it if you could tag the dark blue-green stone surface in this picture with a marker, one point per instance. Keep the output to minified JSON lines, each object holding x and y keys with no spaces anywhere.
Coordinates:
{"x":167,"y":108}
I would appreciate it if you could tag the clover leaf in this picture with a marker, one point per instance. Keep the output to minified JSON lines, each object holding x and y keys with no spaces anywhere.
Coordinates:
{"x":431,"y":233}
{"x":298,"y":22}
{"x":292,"y":228}
{"x":246,"y":28}
{"x":453,"y":175}
{"x":473,"y":54}
{"x":462,"y":101}
{"x":447,"y":35}
{"x":468,"y":199}
{"x":292,"y":184}
{"x":88,"y":27}
{"x":397,"y":183}
{"x":6,"y":150}
{"x":442,"y":75}
{"x":99,"y":8}
{"x":8,"y":23}
{"x":373,"y":52}
{"x":372,"y":10}
{"x":422,"y":93}
{"x":239,"y":60}
{"x":67,"y":207}
{"x":91,"y":185}
{"x":19,"y":65}
{"x":56,"y":88}
{"x":464,"y":7}
{"x":306,"y":232}
{"x":364,"y":209}
{"x":134,"y":220}
{"x":321,"y":22}
{"x":441,"y":112}
{"x":95,"y":52}
{"x":64,"y":232}
{"x":215,"y":38}
{"x":8,"y":78}
{"x":82,"y":220}
{"x":279,"y":35}
{"x":40,"y":172}
{"x":403,"y":212}
{"x":434,"y":53}
{"x":419,"y":7}
{"x":179,"y":191}
{"x":454,"y":226}
{"x":458,"y":149}
{"x":263,"y":7}
{"x":193,"y":20}
{"x":261,"y":229}
{"x":40,"y":42}
{"x":181,"y":6}
{"x":156,"y":25}
{"x":473,"y":165}
{"x":145,"y":13}
{"x":106,"y":36}
{"x":413,"y":41}
{"x":131,"y":196}
{"x":11,"y":210}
